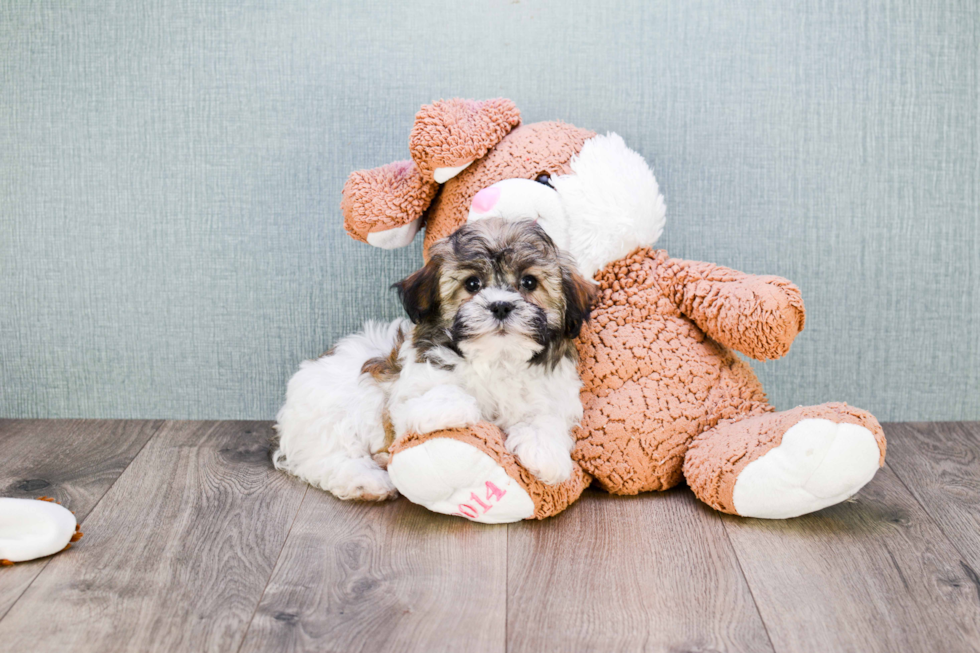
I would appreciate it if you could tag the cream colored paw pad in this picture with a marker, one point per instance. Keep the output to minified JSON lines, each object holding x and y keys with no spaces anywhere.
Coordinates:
{"x":818,"y":464}
{"x":455,"y":478}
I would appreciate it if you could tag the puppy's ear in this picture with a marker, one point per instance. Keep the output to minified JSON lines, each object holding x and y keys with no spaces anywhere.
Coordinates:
{"x":419,"y":291}
{"x":580,"y":295}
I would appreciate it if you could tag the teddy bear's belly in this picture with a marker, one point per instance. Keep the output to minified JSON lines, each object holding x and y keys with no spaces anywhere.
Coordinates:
{"x":649,"y":387}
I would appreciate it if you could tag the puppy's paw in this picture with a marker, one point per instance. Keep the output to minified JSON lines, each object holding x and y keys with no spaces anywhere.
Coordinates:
{"x":442,"y":407}
{"x":545,"y":457}
{"x":359,"y":479}
{"x":372,"y":486}
{"x":549,"y":467}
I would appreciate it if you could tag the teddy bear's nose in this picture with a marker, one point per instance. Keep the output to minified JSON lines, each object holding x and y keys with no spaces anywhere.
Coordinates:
{"x":485,"y":199}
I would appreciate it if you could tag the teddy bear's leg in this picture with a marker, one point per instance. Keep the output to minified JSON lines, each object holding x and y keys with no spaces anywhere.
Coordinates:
{"x":786,"y":464}
{"x":467,"y":472}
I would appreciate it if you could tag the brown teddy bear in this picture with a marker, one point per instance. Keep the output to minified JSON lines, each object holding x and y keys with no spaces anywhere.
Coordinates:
{"x":665,"y":397}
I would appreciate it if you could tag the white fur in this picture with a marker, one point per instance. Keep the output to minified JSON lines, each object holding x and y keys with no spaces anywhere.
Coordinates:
{"x":331,"y":424}
{"x":613,"y":201}
{"x":609,"y":205}
{"x":536,"y":406}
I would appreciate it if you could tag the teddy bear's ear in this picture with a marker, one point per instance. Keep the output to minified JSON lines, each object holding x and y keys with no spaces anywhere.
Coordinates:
{"x":384,"y":206}
{"x":448,"y":135}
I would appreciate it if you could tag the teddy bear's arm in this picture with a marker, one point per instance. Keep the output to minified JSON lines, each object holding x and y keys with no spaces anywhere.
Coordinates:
{"x":756,"y":315}
{"x":385,"y":206}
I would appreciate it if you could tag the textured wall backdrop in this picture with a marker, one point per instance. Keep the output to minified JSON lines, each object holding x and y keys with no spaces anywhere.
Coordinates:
{"x":170,"y":172}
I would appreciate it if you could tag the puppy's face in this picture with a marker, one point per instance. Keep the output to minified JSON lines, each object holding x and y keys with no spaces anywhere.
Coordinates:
{"x":498,"y":289}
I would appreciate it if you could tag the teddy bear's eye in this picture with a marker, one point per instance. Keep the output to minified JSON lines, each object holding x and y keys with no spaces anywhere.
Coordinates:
{"x":472,"y":284}
{"x":529,"y":283}
{"x":544,"y":178}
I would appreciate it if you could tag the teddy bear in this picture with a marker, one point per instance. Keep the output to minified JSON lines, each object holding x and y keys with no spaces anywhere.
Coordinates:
{"x":665,"y":397}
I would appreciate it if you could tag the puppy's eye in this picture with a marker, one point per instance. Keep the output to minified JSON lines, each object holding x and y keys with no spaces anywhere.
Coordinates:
{"x":473,"y":284}
{"x":529,"y":283}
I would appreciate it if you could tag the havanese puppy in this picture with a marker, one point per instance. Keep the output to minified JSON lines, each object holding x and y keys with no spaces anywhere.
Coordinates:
{"x":493,"y":318}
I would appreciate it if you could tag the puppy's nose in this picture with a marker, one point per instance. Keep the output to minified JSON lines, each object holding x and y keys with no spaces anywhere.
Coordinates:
{"x":501,"y":310}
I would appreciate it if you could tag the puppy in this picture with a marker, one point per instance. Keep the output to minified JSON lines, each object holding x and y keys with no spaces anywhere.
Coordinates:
{"x":493,"y":318}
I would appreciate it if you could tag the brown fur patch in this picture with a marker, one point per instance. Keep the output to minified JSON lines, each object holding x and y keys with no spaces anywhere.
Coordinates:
{"x":385,"y":368}
{"x":580,"y":297}
{"x":381,"y":457}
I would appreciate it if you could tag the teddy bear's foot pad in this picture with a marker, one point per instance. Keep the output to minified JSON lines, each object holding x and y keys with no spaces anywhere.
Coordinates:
{"x":455,"y":478}
{"x":32,"y":529}
{"x":819,"y":463}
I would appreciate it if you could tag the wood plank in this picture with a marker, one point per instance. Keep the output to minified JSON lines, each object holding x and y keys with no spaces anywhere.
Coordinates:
{"x":73,"y":461}
{"x":940,"y":464}
{"x":384,"y":577}
{"x":177,"y":553}
{"x":653,"y":572}
{"x":871,"y":574}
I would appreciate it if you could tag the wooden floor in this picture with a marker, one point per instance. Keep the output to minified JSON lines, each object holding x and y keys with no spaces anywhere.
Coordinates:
{"x":194,"y":543}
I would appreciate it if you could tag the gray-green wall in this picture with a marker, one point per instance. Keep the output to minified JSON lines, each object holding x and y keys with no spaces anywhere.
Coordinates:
{"x":170,"y":173}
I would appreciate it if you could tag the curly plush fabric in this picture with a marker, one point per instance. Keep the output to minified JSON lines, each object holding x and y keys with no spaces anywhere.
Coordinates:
{"x":451,"y":133}
{"x":528,"y":151}
{"x":756,"y":315}
{"x":716,"y":458}
{"x":548,"y":499}
{"x":665,"y":396}
{"x":384,"y":198}
{"x":652,"y":379}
